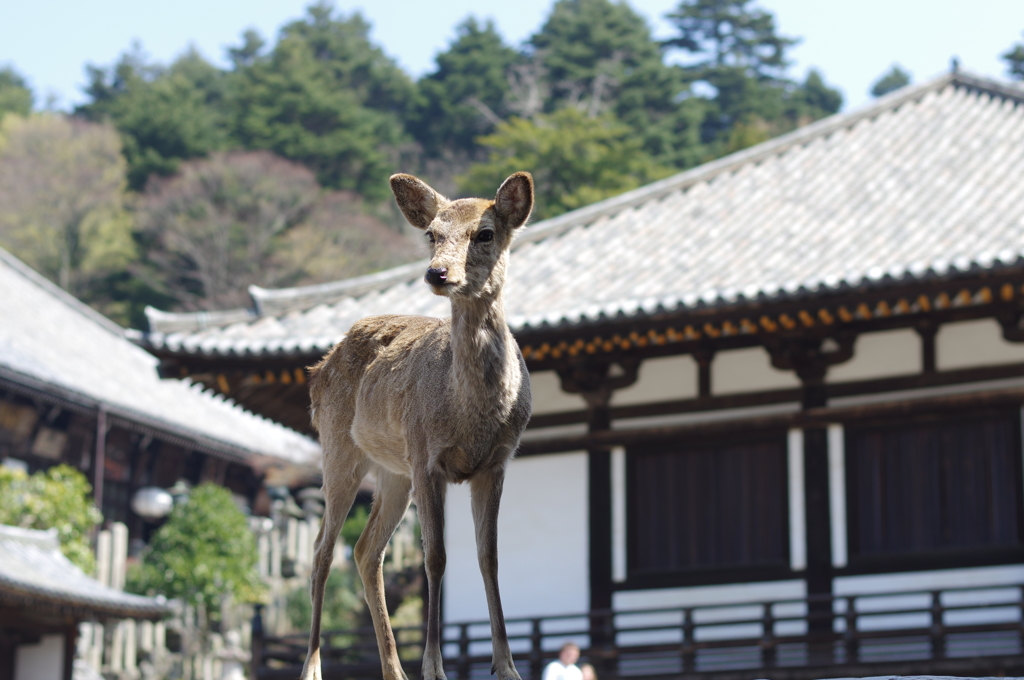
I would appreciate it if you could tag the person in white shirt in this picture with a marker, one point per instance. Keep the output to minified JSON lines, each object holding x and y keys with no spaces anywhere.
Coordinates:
{"x":565,"y":667}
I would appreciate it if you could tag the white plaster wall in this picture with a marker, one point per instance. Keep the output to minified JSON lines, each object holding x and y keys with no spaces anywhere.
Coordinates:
{"x":877,"y":355}
{"x":926,"y":580}
{"x":747,"y":370}
{"x":974,"y":343}
{"x":542,"y":542}
{"x":661,"y":379}
{"x":548,"y":396}
{"x":697,"y":596}
{"x":42,"y":661}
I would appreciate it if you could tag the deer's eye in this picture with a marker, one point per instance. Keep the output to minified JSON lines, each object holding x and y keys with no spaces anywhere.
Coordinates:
{"x":485,"y":236}
{"x":430,"y":237}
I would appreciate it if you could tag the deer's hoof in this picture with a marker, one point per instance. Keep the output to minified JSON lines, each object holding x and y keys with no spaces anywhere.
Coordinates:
{"x":311,"y":673}
{"x":432,"y":670}
{"x":506,"y":673}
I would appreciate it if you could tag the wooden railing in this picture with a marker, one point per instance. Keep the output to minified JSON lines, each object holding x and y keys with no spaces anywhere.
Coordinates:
{"x":953,"y":631}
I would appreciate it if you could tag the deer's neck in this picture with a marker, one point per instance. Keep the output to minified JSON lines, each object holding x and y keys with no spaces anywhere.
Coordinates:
{"x":485,"y":362}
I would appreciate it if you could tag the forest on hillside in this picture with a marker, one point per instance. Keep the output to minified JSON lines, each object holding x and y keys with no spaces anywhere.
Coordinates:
{"x":179,"y":185}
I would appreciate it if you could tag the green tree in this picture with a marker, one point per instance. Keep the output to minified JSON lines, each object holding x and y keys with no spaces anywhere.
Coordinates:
{"x":203,"y":554}
{"x":62,"y":198}
{"x":818,"y":99}
{"x":893,"y":79}
{"x":343,"y":603}
{"x":599,"y":56}
{"x":729,"y":33}
{"x":15,"y":94}
{"x":328,"y":98}
{"x":736,"y":49}
{"x":164,"y":115}
{"x":575,"y":159}
{"x":466,"y":95}
{"x":1014,"y":58}
{"x":248,"y":52}
{"x":57,"y":498}
{"x":589,"y":49}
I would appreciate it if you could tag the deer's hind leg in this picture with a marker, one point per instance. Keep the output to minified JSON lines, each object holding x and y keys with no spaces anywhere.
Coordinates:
{"x":344,"y":468}
{"x":390,"y":501}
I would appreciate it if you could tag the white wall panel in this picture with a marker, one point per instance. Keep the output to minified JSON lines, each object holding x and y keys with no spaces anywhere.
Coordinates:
{"x":747,"y":370}
{"x":548,"y":396}
{"x":877,"y":355}
{"x":42,"y":661}
{"x":661,"y":379}
{"x":974,"y":343}
{"x":542,"y":542}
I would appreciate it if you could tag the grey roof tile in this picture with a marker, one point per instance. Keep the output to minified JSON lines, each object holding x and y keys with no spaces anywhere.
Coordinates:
{"x":47,"y":336}
{"x":923,"y":182}
{"x":34,"y":571}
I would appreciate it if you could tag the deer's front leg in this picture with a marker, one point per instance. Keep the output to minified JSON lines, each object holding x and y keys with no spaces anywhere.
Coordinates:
{"x":485,"y":488}
{"x":429,"y":495}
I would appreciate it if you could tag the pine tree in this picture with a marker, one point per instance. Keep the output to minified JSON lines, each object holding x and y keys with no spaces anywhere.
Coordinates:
{"x":893,"y":79}
{"x":15,"y":94}
{"x":1014,"y":58}
{"x":466,"y":95}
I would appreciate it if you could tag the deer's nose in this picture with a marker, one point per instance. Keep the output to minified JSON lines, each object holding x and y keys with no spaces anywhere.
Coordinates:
{"x":437,"y":277}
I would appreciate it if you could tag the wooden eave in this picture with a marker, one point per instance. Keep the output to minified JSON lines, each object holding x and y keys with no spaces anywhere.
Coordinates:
{"x":275,"y":386}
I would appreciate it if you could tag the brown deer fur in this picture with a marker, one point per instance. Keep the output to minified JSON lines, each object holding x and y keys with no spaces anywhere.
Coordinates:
{"x":422,"y":403}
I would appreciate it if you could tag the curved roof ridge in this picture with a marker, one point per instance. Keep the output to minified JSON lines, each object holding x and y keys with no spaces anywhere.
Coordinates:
{"x":168,"y":322}
{"x":276,"y":300}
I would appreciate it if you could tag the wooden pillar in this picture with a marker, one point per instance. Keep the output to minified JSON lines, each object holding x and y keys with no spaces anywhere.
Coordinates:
{"x":927,"y":329}
{"x":8,"y":644}
{"x":703,"y":358}
{"x":70,"y":638}
{"x":596,"y":383}
{"x":599,"y":476}
{"x":817,"y":507}
{"x":99,"y":458}
{"x":599,"y":469}
{"x":807,"y":358}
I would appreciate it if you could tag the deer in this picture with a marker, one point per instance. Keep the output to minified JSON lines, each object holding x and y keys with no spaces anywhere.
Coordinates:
{"x":423,"y":402}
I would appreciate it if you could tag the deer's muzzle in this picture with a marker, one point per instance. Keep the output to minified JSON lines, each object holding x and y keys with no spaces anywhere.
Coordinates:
{"x":436,"y":276}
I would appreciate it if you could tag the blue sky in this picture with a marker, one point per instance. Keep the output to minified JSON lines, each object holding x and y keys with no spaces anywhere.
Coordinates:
{"x":50,"y":41}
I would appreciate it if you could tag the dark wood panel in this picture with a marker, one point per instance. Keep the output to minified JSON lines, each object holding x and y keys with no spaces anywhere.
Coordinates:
{"x":718,"y":506}
{"x":936,"y":485}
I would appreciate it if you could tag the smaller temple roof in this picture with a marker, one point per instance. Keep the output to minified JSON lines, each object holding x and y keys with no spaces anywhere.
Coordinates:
{"x":53,"y":344}
{"x":922,"y":184}
{"x":34,"y":573}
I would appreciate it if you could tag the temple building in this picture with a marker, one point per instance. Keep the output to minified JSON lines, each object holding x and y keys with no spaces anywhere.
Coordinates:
{"x":795,"y":372}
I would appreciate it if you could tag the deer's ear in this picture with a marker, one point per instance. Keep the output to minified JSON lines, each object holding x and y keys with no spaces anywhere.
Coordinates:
{"x":419,"y":203}
{"x":514,"y":200}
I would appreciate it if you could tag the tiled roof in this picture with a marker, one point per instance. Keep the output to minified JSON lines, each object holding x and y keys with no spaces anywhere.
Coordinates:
{"x":922,"y":183}
{"x":51,"y":342}
{"x":34,"y":572}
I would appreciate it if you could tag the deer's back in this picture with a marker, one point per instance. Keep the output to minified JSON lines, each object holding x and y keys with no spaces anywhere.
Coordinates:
{"x":368,"y":382}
